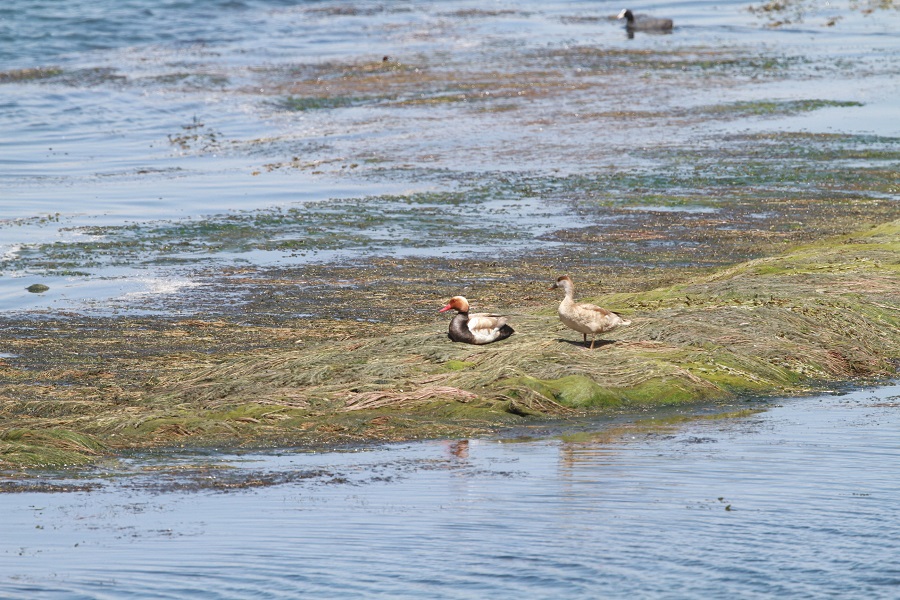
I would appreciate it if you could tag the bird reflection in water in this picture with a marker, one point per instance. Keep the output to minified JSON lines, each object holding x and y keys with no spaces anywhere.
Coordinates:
{"x":459,"y":449}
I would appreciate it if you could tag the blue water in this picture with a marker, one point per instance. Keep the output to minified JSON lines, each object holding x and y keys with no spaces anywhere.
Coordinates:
{"x":798,"y":501}
{"x":96,"y":144}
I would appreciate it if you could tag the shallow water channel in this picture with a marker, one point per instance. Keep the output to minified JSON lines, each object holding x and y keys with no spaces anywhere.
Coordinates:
{"x":796,"y":499}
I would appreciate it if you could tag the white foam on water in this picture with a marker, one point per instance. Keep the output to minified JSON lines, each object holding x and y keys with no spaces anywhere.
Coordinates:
{"x":158,"y":286}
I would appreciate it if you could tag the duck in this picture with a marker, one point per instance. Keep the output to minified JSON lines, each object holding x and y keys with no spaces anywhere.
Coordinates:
{"x":585,"y":318}
{"x":477,"y":328}
{"x":643,"y":22}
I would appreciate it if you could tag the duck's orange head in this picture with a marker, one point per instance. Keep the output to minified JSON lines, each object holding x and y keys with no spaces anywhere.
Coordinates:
{"x":457,"y":303}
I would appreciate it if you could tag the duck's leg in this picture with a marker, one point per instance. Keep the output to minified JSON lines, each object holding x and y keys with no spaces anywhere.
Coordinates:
{"x":593,"y":339}
{"x":584,"y":335}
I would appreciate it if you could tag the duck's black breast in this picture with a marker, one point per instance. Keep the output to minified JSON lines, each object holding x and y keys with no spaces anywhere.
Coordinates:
{"x":459,"y":329}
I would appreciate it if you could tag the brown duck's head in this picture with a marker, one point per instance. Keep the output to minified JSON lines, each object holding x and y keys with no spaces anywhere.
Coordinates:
{"x":457,"y":303}
{"x":561,"y":282}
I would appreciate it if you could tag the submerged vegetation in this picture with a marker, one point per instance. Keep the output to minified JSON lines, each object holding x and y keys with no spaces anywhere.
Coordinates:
{"x":750,"y":193}
{"x":787,"y":12}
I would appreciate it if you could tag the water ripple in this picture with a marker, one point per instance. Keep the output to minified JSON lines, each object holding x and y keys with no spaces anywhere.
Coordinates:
{"x":798,"y":501}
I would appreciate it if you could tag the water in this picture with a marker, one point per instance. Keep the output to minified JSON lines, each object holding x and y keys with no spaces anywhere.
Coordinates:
{"x":798,"y":500}
{"x":173,"y":112}
{"x":167,"y":119}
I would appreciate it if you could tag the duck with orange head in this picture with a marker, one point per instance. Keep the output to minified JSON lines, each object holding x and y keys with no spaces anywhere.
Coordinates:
{"x":475,"y":328}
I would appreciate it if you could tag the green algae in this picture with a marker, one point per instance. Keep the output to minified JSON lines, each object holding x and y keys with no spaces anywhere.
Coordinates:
{"x":575,"y":391}
{"x":458,"y":365}
{"x":775,"y":107}
{"x":583,"y":392}
{"x":326,"y":102}
{"x":48,"y":448}
{"x":588,"y":61}
{"x":779,"y":13}
{"x":34,"y":74}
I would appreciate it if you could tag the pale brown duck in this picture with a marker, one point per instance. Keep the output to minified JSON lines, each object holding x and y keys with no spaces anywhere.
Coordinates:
{"x":585,"y":318}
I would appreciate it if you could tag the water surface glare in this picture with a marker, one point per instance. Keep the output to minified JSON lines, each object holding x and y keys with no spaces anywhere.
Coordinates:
{"x":800,"y":500}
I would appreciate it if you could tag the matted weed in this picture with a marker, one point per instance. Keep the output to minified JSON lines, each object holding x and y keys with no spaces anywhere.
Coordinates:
{"x":828,"y":311}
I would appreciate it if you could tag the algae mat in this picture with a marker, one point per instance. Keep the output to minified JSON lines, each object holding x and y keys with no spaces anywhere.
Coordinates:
{"x":827,"y":311}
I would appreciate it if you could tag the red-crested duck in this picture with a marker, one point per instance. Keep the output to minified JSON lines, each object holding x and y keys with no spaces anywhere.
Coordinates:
{"x":477,"y":328}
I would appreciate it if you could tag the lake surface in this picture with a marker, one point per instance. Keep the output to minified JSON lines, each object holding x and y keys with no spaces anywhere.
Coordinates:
{"x":135,"y":135}
{"x":798,"y":499}
{"x":146,"y":146}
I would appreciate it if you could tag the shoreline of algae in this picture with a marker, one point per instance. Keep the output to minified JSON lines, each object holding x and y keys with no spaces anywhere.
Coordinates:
{"x":824,"y":312}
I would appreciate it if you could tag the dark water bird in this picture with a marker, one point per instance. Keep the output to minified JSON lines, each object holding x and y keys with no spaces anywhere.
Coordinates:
{"x":644,"y":23}
{"x":585,"y":318}
{"x":477,"y":328}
